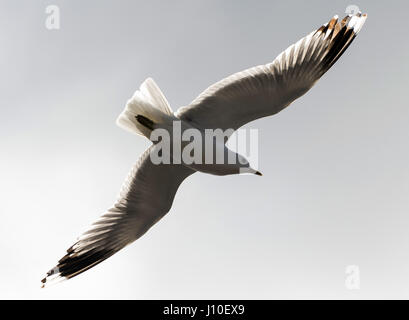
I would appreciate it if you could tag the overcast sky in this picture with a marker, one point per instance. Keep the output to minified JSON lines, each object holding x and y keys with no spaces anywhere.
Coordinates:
{"x":336,"y":163}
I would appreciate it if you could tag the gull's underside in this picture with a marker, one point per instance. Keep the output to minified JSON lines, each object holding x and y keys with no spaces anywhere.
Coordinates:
{"x":148,"y":193}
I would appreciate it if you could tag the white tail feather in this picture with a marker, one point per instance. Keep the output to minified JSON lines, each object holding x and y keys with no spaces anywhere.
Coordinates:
{"x":151,"y":90}
{"x":149,"y":102}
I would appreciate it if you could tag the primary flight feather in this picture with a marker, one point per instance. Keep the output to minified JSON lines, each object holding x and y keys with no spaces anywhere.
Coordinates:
{"x":149,"y":190}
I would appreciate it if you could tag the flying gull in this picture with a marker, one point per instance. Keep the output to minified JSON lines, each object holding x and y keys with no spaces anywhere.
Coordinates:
{"x":148,"y":192}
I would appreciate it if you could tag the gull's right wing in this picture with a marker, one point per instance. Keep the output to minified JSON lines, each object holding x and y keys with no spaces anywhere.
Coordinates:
{"x":267,"y":89}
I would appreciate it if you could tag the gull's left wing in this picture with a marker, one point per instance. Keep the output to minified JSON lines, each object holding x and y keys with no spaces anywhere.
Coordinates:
{"x":145,"y":197}
{"x":267,"y":89}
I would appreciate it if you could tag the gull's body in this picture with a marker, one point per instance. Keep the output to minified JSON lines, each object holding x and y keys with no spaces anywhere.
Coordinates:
{"x":148,"y":192}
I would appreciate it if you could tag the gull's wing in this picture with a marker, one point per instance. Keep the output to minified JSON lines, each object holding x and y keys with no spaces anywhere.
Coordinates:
{"x":146,"y":196}
{"x":265,"y":90}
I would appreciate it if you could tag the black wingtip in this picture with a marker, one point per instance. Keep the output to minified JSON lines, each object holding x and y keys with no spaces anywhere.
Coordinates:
{"x":72,"y":265}
{"x":43,"y":281}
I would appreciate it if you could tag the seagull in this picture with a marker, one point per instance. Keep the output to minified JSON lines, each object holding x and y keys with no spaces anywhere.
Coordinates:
{"x":148,"y":192}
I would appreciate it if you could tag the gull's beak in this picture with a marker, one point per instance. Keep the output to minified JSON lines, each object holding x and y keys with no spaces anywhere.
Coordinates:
{"x":250,"y":170}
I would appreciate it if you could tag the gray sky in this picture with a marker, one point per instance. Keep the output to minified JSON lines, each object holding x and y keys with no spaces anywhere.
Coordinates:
{"x":336,"y":163}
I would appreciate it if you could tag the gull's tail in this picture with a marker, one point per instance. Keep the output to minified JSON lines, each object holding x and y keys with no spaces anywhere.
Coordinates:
{"x":147,"y":107}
